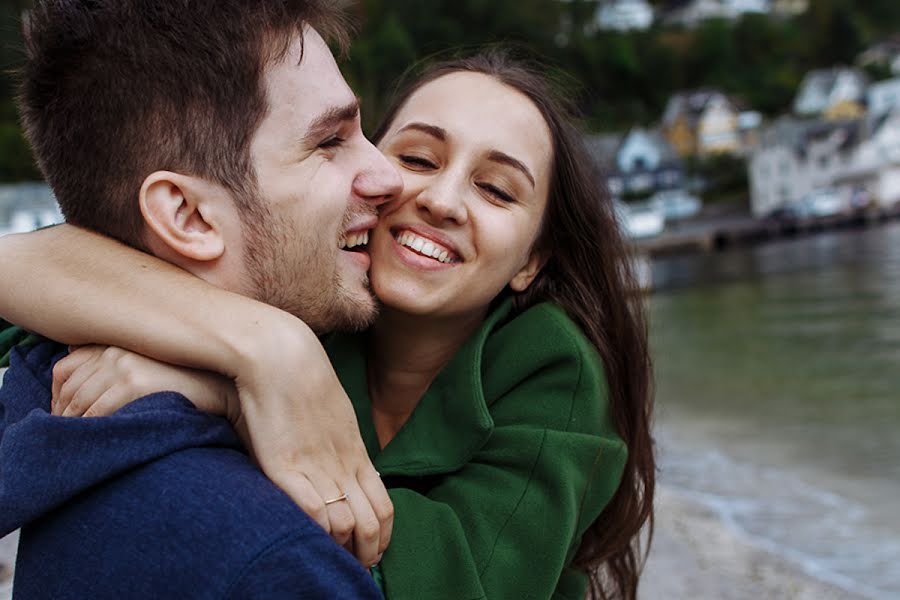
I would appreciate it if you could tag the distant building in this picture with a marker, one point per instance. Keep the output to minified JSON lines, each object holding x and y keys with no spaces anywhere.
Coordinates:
{"x":701,"y":123}
{"x":885,"y":54}
{"x":796,"y":158}
{"x":691,"y":13}
{"x":836,"y":93}
{"x":26,"y":207}
{"x":876,"y":164}
{"x":625,"y":15}
{"x":884,"y":96}
{"x":789,"y":8}
{"x":638,"y":163}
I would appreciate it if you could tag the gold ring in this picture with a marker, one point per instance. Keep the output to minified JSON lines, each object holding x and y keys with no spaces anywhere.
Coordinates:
{"x":338,"y":499}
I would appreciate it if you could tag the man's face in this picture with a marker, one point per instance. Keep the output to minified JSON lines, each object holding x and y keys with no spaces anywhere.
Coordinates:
{"x":320,"y":181}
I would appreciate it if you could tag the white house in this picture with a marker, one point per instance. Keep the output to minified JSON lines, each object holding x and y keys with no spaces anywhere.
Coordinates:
{"x":796,"y":158}
{"x":825,"y":89}
{"x":640,"y":162}
{"x":884,"y":96}
{"x":884,"y":54}
{"x":789,"y":8}
{"x":876,"y":164}
{"x":690,"y":13}
{"x":625,"y":15}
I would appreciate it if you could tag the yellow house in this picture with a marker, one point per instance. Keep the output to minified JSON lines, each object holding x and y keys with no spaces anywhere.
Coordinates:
{"x":702,"y":123}
{"x":844,"y":110}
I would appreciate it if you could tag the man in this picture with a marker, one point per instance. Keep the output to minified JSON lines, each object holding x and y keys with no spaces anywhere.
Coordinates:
{"x":220,"y":136}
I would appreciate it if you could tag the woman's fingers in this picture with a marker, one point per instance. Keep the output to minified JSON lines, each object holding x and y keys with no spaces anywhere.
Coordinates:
{"x":62,"y":373}
{"x":109,"y":400}
{"x":367,"y":529}
{"x":304,"y":494}
{"x":382,"y":507}
{"x":341,"y":521}
{"x":85,"y":368}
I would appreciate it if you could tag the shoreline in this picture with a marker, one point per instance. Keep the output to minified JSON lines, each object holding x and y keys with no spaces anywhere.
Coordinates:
{"x":696,"y":555}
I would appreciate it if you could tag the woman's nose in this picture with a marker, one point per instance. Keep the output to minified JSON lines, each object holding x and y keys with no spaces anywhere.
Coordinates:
{"x":443,"y":200}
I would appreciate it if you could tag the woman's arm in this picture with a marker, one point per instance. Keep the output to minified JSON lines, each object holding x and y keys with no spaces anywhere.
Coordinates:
{"x":82,"y":288}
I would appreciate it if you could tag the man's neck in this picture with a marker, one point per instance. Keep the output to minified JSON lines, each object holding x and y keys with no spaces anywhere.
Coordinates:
{"x":406,"y":353}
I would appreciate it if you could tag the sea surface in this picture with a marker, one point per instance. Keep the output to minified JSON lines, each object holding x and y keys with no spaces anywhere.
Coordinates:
{"x":778,"y":397}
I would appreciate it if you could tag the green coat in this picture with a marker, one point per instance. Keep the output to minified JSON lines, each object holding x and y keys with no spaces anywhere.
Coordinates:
{"x":508,"y":458}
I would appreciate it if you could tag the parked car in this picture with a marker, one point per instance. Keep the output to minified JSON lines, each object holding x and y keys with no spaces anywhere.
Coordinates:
{"x":675,"y":204}
{"x":824,"y":203}
{"x":640,"y":220}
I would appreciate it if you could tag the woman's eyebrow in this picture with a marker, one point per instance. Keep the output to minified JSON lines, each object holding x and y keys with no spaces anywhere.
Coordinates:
{"x":495,"y":155}
{"x":506,"y":159}
{"x":432,"y":130}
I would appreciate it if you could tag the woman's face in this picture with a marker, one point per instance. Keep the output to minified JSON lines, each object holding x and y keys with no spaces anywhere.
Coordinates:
{"x":475,"y":158}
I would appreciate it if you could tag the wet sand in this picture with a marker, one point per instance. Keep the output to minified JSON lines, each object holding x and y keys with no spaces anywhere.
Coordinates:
{"x":694,"y":555}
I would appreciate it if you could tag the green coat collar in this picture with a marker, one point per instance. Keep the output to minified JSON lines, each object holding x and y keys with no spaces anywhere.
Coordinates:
{"x":451,"y":421}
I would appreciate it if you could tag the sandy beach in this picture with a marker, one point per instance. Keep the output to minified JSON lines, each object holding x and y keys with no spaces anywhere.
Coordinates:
{"x":694,"y":555}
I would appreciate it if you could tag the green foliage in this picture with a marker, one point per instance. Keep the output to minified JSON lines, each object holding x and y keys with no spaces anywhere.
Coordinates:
{"x":725,"y":177}
{"x":625,"y":78}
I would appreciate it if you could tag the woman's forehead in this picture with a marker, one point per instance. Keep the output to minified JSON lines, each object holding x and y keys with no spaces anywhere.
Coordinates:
{"x":477,"y":109}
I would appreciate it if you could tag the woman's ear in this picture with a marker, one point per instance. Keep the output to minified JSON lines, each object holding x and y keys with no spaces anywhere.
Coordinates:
{"x":185,"y":214}
{"x":527,"y":273}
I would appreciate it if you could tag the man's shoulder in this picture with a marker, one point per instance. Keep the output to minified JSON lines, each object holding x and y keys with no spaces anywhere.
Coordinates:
{"x":201,"y":522}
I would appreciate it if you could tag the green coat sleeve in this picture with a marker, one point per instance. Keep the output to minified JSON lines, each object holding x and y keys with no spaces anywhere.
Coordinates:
{"x":10,"y":335}
{"x":507,"y":524}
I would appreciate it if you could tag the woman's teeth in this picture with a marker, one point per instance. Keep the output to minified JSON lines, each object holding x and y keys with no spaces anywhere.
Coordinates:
{"x":425,"y":247}
{"x":359,"y":239}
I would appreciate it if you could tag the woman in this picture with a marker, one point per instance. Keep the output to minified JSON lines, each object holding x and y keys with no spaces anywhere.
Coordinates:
{"x":503,"y":393}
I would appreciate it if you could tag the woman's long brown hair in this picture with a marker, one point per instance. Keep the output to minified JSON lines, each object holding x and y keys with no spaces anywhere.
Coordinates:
{"x":589,"y":273}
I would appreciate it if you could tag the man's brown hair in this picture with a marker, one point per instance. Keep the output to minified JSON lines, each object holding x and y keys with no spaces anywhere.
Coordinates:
{"x":113,"y":90}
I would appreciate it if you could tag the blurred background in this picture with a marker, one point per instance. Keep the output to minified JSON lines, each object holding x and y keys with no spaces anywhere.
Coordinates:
{"x":752,"y":148}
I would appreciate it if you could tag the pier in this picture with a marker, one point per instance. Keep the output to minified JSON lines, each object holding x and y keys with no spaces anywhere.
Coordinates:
{"x":717,"y":233}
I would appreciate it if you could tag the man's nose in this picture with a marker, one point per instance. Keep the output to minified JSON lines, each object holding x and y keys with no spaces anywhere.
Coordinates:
{"x":380,"y":181}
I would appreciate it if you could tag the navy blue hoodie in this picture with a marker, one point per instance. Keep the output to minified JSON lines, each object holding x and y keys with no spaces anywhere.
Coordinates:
{"x":155,"y":501}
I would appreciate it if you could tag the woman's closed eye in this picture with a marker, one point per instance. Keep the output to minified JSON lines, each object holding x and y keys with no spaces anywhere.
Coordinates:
{"x":416,"y":162}
{"x":496,"y":192}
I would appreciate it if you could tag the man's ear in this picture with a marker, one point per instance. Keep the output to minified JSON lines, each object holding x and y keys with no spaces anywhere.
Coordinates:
{"x":527,"y":273}
{"x":184,"y":213}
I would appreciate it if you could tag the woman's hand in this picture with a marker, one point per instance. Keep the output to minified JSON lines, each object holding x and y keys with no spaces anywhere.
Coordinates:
{"x":306,"y":438}
{"x":96,"y":381}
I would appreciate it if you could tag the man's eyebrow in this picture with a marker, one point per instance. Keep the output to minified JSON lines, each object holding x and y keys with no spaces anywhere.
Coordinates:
{"x":329,"y":120}
{"x":506,"y":159}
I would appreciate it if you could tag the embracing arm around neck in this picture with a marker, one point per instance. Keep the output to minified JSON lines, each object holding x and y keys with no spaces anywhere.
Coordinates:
{"x":79,"y":287}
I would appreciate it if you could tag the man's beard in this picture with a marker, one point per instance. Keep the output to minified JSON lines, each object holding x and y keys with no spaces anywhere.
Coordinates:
{"x":299,"y":275}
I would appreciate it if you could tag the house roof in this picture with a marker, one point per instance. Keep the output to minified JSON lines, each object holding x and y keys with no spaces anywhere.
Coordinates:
{"x":605,"y":148}
{"x":666,"y":151}
{"x":882,"y":52}
{"x":798,"y":134}
{"x":822,"y":81}
{"x":691,"y":104}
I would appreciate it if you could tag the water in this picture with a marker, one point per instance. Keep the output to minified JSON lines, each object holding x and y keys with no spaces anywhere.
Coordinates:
{"x":778,"y":394}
